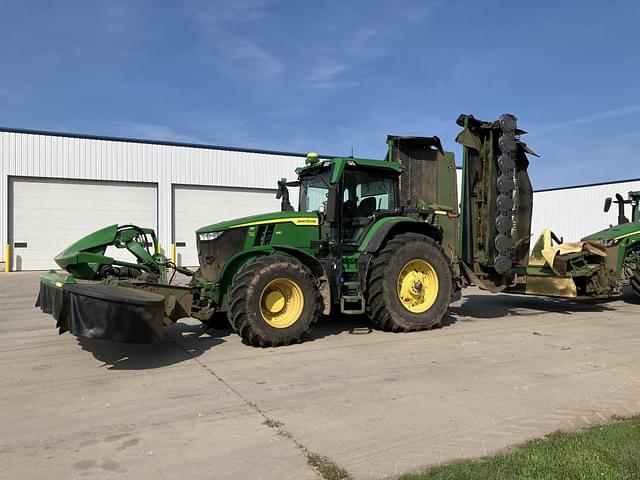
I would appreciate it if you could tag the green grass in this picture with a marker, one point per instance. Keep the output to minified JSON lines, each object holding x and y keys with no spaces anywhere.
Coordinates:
{"x":609,"y":451}
{"x":327,"y":468}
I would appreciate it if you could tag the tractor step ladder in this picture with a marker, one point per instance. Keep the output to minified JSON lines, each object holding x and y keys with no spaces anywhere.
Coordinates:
{"x":351,"y":304}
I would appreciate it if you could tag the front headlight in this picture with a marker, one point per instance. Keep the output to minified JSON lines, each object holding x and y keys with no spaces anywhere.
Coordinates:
{"x":209,"y":236}
{"x":610,"y":243}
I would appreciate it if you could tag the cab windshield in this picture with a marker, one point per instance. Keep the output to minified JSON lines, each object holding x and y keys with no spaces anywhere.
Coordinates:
{"x":314,"y":190}
{"x":364,"y":192}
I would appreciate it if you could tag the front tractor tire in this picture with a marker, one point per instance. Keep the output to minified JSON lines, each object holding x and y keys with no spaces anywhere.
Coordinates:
{"x":410,"y":284}
{"x":273,"y":301}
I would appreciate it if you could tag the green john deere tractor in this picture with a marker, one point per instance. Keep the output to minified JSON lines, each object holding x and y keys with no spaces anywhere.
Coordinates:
{"x":385,"y":238}
{"x":353,"y":246}
{"x":623,"y":240}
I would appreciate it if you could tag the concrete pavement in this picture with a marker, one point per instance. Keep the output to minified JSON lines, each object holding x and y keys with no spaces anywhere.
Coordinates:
{"x":200,"y":404}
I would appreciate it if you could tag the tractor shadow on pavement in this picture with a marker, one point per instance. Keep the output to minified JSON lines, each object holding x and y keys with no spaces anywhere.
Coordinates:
{"x":337,"y":324}
{"x":485,"y":306}
{"x":181,"y":342}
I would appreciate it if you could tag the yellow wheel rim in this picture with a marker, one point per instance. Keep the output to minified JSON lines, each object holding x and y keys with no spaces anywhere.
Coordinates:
{"x":418,"y":286}
{"x":281,"y":303}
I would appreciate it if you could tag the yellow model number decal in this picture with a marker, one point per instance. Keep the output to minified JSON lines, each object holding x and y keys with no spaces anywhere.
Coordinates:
{"x":296,"y":221}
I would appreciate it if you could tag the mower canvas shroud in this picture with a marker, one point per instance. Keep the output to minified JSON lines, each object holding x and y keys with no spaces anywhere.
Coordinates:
{"x":99,"y":311}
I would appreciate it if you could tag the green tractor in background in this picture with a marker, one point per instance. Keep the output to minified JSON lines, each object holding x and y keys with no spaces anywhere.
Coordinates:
{"x":623,"y":240}
{"x":386,"y":238}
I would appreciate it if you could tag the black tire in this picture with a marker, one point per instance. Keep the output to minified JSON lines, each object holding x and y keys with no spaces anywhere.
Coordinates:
{"x":635,"y":281}
{"x":246,"y":292}
{"x":384,"y":307}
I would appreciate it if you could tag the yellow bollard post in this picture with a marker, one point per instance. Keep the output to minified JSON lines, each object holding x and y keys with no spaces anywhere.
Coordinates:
{"x":173,"y":252}
{"x":158,"y":248}
{"x":7,"y":258}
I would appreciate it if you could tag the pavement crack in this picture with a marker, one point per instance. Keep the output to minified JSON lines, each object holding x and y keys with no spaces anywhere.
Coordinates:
{"x":324,"y":466}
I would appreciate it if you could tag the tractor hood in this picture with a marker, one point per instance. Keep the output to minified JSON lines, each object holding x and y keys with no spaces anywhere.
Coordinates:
{"x":618,"y":232}
{"x":298,"y":218}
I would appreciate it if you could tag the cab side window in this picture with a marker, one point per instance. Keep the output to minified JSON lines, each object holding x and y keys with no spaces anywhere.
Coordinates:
{"x":365,"y":194}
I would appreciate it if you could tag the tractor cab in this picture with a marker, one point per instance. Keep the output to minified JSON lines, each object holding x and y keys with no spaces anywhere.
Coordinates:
{"x":348,"y":194}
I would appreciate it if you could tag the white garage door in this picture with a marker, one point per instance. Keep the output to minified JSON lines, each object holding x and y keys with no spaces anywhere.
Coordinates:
{"x":195,"y":207}
{"x":49,"y":215}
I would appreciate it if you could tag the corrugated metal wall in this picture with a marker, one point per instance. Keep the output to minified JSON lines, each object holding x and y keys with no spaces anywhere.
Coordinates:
{"x":58,"y":156}
{"x":574,"y":213}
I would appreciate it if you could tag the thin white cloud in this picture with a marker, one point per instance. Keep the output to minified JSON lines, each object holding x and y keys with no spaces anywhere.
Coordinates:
{"x":287,"y":112}
{"x":14,"y":97}
{"x":149,"y":131}
{"x":220,"y":46}
{"x":347,"y":51}
{"x":331,"y":66}
{"x":420,"y":11}
{"x":249,"y":55}
{"x":117,"y":18}
{"x":229,"y":11}
{"x":227,"y":128}
{"x":594,"y":117}
{"x":328,"y":74}
{"x":361,"y":43}
{"x":278,"y":134}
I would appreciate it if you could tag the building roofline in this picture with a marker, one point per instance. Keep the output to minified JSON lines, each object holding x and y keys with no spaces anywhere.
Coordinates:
{"x":206,"y":146}
{"x":151,"y":142}
{"x":586,"y":185}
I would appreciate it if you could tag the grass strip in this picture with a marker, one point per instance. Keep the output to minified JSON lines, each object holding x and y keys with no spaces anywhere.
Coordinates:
{"x":607,"y":451}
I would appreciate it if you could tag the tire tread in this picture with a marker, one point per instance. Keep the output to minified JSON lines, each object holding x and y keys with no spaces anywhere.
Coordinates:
{"x":242,"y":289}
{"x":377,"y":309}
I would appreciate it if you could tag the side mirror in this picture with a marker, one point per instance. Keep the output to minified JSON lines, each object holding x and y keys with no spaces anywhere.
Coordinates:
{"x":331,"y":212}
{"x":283,"y":193}
{"x":607,"y":204}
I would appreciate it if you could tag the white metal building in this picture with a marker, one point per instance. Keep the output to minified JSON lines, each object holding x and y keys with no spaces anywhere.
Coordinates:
{"x":575,"y":212}
{"x":56,"y":188}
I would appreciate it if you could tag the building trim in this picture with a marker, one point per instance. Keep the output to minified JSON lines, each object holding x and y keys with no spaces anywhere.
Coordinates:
{"x":40,"y":178}
{"x":152,"y":142}
{"x":587,"y":185}
{"x":199,"y":186}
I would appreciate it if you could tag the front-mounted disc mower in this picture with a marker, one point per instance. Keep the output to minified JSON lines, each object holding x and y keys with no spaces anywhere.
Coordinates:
{"x":101,"y":297}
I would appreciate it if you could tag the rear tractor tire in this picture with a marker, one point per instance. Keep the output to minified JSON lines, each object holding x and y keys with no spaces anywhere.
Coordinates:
{"x":635,"y":280}
{"x":410,"y":284}
{"x":273,"y":301}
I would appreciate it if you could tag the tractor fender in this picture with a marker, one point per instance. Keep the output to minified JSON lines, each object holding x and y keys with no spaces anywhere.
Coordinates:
{"x":233,"y":266}
{"x":397,"y":226}
{"x":313,"y":264}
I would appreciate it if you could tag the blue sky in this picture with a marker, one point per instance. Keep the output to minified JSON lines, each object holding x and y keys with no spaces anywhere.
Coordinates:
{"x":329,"y":76}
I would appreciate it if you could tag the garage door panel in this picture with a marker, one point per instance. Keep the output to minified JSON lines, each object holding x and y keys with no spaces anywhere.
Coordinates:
{"x":49,"y":215}
{"x":195,"y":207}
